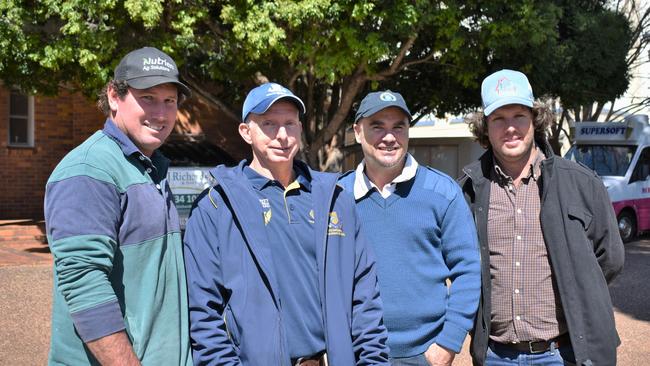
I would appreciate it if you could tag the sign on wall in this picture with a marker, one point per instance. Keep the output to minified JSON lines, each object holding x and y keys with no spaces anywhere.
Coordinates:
{"x":186,"y":185}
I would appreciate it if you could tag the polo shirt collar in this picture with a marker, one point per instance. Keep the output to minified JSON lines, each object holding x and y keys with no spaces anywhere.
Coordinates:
{"x":260,"y":182}
{"x":157,"y":160}
{"x":125,"y":143}
{"x":362,"y":184}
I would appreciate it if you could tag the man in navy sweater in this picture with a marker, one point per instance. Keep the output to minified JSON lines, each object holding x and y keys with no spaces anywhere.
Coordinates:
{"x":419,"y":227}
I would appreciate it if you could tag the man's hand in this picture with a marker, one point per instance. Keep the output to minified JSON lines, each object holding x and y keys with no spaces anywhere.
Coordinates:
{"x":439,"y":356}
{"x":114,"y":350}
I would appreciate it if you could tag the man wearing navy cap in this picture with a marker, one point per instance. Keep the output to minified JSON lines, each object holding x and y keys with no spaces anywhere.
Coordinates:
{"x":416,"y":220}
{"x":548,"y":238}
{"x":119,"y":282}
{"x":277,"y":272}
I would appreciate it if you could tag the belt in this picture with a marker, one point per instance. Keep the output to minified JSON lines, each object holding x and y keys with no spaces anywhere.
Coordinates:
{"x":319,"y":359}
{"x":536,"y":346}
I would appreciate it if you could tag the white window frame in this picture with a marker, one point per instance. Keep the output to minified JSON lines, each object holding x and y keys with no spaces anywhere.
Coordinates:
{"x":30,"y":121}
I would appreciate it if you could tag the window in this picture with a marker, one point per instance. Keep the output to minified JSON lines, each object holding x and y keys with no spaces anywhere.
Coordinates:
{"x":21,"y":119}
{"x":606,"y":160}
{"x":642,"y":169}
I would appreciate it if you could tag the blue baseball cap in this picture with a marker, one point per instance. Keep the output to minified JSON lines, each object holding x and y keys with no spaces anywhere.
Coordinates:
{"x":261,"y":98}
{"x":505,"y":87}
{"x":376,"y":101}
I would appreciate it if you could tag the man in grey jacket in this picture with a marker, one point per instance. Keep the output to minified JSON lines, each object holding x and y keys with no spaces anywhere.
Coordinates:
{"x":548,"y":238}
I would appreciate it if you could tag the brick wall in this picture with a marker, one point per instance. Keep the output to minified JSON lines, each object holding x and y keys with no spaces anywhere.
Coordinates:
{"x":60,"y":123}
{"x":63,"y":122}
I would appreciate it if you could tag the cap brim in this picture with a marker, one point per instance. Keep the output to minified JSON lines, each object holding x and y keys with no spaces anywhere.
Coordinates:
{"x":266,"y":104}
{"x":373,"y":110}
{"x":506,"y":101}
{"x":151,"y":81}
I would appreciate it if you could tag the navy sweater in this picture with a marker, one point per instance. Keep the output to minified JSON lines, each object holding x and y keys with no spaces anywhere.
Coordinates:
{"x":422,"y":235}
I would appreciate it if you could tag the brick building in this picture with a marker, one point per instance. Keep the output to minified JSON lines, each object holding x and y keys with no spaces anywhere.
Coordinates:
{"x":37,"y":131}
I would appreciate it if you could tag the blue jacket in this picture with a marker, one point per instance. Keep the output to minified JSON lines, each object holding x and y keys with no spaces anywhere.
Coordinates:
{"x":235,"y":316}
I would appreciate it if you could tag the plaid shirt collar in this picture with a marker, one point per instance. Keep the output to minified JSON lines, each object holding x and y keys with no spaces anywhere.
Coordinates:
{"x":534,"y":169}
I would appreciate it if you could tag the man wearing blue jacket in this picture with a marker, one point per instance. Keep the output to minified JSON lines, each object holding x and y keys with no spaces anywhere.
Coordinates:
{"x":419,"y":225}
{"x":277,"y":272}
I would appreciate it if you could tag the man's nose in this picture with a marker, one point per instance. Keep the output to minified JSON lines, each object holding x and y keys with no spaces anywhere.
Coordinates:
{"x":389,"y":136}
{"x":511,"y":123}
{"x":282,"y":133}
{"x":157,"y":111}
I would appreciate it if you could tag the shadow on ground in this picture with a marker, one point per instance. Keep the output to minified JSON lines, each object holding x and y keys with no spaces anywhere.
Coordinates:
{"x":631,"y":289}
{"x":45,"y":249}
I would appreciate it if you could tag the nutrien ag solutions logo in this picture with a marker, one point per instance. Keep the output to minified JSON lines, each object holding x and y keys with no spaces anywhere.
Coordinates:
{"x":158,"y":63}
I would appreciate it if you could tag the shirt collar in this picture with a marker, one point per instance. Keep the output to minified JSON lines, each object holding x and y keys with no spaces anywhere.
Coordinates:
{"x":157,"y":161}
{"x":260,"y":182}
{"x":125,"y":143}
{"x":534,"y":169}
{"x":362,"y":184}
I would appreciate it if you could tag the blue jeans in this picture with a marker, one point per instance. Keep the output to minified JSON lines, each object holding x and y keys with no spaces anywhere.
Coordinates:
{"x":418,"y":360}
{"x":504,"y":356}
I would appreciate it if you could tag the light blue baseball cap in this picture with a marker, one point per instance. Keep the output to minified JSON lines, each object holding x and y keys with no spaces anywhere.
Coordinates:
{"x":261,"y":98}
{"x":505,"y":87}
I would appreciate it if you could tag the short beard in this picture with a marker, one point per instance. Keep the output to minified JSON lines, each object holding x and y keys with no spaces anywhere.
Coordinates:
{"x":391,"y":164}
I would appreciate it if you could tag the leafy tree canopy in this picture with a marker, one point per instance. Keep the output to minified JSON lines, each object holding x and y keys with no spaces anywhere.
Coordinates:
{"x":328,"y":51}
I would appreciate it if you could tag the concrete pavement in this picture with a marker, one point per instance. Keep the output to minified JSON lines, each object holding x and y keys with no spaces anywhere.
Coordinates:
{"x":26,"y":285}
{"x":25,"y":301}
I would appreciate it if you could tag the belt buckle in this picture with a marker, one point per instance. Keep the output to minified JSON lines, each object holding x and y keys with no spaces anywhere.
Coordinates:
{"x":533,"y":351}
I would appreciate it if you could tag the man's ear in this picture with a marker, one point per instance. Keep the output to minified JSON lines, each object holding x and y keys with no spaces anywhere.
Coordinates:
{"x":357,"y":132}
{"x":113,"y":97}
{"x":245,"y":133}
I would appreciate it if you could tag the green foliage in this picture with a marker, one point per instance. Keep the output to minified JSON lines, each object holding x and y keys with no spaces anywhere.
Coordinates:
{"x":329,"y":51}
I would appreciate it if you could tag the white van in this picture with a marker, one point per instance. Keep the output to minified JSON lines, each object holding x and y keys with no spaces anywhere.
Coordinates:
{"x":620,"y":153}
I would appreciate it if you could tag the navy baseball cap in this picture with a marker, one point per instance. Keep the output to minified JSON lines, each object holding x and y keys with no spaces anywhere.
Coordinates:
{"x":376,"y":101}
{"x":505,"y":87}
{"x":261,"y":98}
{"x":147,"y":67}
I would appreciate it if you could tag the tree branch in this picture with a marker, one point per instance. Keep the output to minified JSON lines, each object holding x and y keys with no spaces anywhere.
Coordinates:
{"x":398,"y":63}
{"x":350,"y":90}
{"x":214,"y":28}
{"x":596,"y":114}
{"x":568,"y":136}
{"x":611,"y":111}
{"x":383,"y":75}
{"x":209,"y":97}
{"x":292,"y":79}
{"x":395,"y":65}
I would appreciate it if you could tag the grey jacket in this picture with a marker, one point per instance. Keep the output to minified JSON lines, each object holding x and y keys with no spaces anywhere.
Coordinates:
{"x":584,"y":247}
